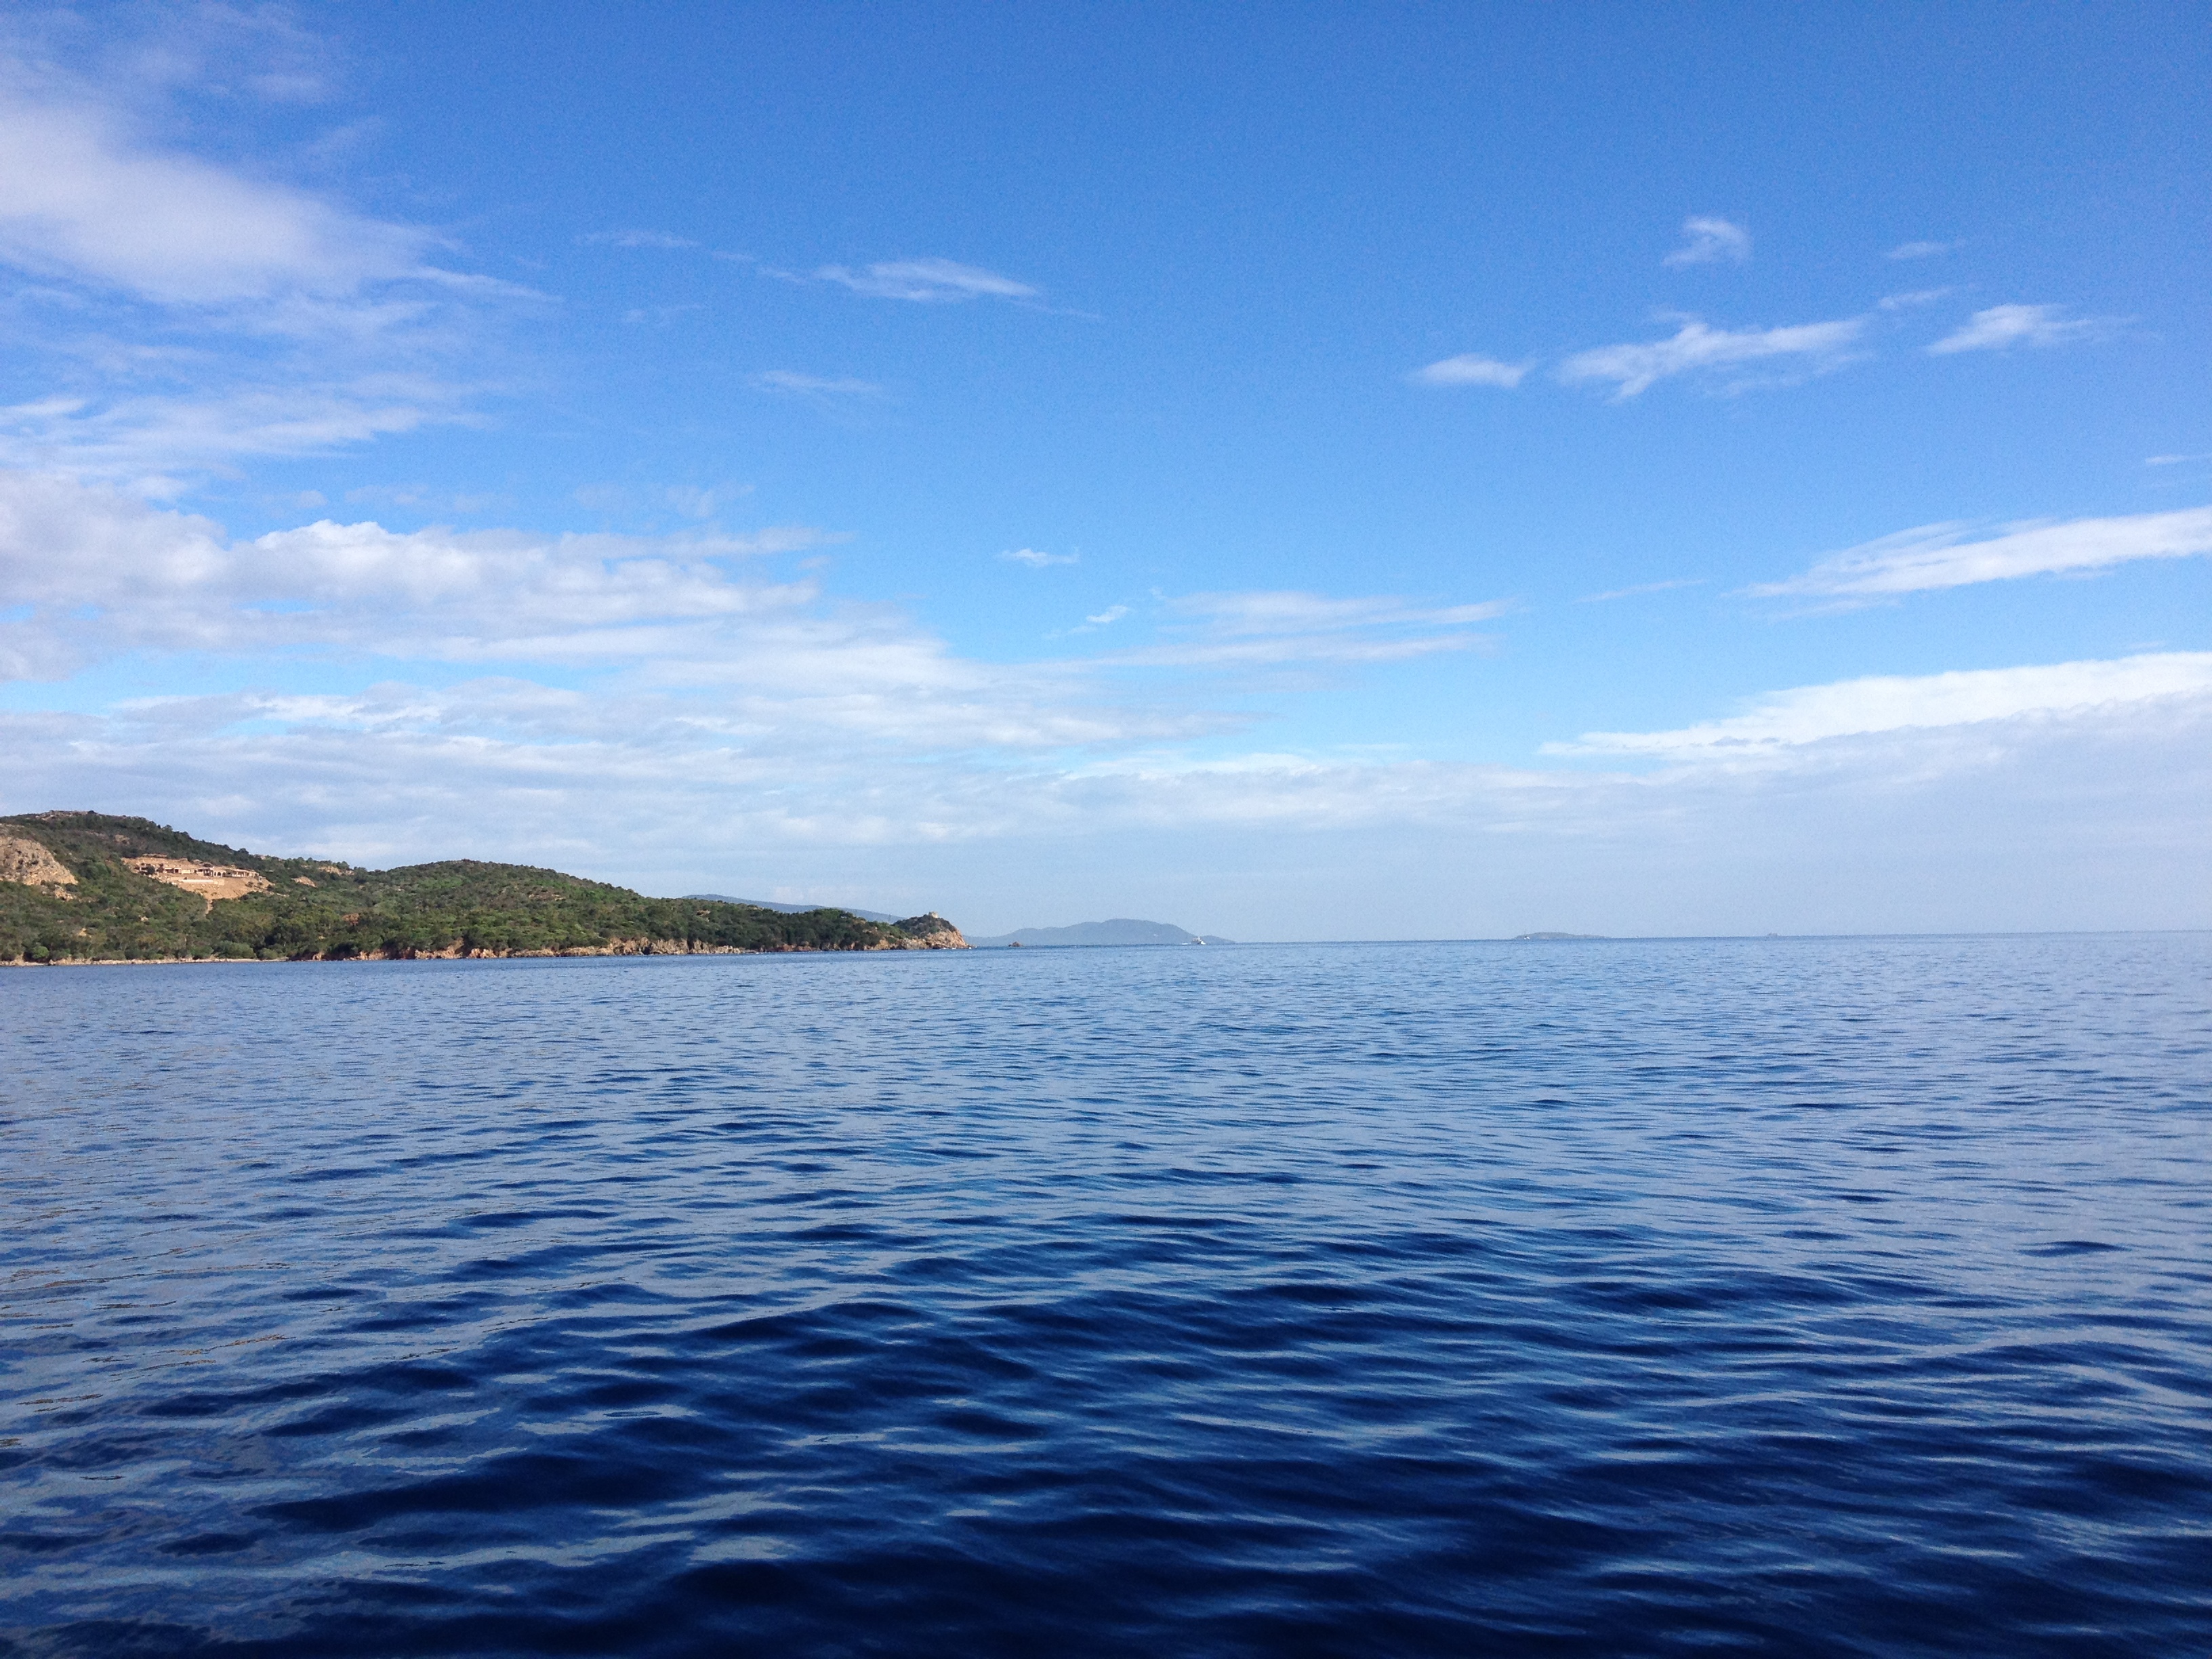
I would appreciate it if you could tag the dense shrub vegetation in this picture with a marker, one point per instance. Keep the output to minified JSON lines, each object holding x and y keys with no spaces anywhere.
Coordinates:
{"x":113,"y":913}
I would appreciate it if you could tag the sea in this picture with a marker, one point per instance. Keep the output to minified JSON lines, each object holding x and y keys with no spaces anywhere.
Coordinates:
{"x":1785,"y":1297}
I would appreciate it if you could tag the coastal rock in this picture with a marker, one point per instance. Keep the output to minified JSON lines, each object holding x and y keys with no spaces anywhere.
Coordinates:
{"x":615,"y":947}
{"x":27,"y":862}
{"x":931,"y":931}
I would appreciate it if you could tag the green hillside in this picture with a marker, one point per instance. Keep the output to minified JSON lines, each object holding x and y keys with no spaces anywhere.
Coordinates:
{"x":68,"y":892}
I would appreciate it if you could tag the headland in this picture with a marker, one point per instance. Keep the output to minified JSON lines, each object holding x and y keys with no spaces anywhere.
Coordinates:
{"x":89,"y":887}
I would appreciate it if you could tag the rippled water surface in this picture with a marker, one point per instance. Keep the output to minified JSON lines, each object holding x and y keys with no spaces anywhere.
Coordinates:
{"x":1793,"y":1297}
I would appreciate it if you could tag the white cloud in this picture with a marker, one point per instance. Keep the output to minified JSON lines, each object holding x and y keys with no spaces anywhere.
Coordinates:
{"x":929,"y":281}
{"x":2174,"y":460}
{"x":2001,"y":327}
{"x":1939,"y":555}
{"x":1784,"y":720}
{"x":1919,"y":250}
{"x":673,"y":626}
{"x":1711,"y":241}
{"x":79,"y":199}
{"x":1035,"y":560}
{"x":1809,"y":348}
{"x":1111,"y":614}
{"x":1470,"y":370}
{"x":104,"y":573}
{"x":816,"y":386}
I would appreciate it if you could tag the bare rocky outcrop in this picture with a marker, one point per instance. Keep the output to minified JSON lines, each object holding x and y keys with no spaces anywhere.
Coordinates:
{"x":931,"y":931}
{"x":211,"y":881}
{"x":31,"y":863}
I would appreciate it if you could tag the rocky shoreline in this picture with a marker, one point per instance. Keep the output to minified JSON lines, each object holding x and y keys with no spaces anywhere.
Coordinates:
{"x":625,"y":947}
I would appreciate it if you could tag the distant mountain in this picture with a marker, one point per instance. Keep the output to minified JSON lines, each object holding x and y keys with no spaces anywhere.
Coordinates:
{"x":1122,"y":930}
{"x":793,"y":909}
{"x":1518,"y":938}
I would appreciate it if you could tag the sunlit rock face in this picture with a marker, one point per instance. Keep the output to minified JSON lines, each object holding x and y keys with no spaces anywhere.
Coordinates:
{"x":931,"y":931}
{"x":29,"y":862}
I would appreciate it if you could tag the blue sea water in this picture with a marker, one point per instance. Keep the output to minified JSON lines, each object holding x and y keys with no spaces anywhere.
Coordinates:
{"x":1743,"y":1296}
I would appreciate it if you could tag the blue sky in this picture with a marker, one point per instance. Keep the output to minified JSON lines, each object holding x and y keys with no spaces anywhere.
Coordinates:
{"x":1340,"y":471}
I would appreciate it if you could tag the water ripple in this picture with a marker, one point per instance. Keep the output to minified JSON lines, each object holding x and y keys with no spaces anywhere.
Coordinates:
{"x":1799,"y":1298}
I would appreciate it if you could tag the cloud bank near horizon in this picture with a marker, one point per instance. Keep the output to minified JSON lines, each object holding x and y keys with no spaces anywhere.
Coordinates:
{"x":654,"y":700}
{"x":2100,"y":803}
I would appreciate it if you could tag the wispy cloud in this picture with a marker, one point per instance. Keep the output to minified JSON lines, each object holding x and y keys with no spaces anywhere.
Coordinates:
{"x":693,"y":501}
{"x":1282,"y":612}
{"x":1642,"y":587}
{"x":1035,"y":560}
{"x":1470,"y":370}
{"x":1110,"y":615}
{"x":194,"y":315}
{"x":1711,"y":242}
{"x":2175,"y":461}
{"x":1919,"y":250}
{"x":1275,"y":628}
{"x":816,"y":386}
{"x":422,"y":497}
{"x":149,"y":436}
{"x":1940,"y":556}
{"x":928,"y":281}
{"x":1805,"y":348}
{"x":1919,"y":296}
{"x":2001,"y":327}
{"x":1882,"y":703}
{"x":654,"y":239}
{"x":660,"y":315}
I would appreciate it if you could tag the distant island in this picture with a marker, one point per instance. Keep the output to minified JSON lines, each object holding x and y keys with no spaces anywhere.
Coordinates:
{"x":91,"y":887}
{"x":790,"y":909}
{"x":1121,"y":930}
{"x":1518,"y":938}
